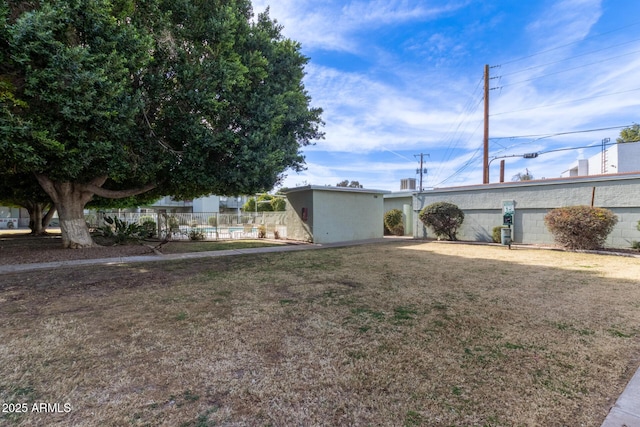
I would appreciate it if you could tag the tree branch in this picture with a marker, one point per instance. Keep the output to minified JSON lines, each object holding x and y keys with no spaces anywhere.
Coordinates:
{"x":117,"y":194}
{"x":47,"y":186}
{"x":99,"y":181}
{"x":47,"y":218}
{"x":159,"y":140}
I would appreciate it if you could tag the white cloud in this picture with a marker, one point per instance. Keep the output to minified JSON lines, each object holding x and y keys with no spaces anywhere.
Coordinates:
{"x":332,"y":24}
{"x":405,"y":99}
{"x":565,"y":22}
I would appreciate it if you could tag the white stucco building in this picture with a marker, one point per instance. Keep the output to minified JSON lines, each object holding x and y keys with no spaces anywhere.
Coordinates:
{"x":617,"y":158}
{"x":334,"y":214}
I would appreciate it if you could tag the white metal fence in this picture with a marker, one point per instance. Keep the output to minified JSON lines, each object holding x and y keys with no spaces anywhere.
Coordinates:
{"x":213,"y":226}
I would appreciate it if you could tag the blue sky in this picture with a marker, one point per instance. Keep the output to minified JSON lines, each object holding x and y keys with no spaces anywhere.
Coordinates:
{"x":401,"y":77}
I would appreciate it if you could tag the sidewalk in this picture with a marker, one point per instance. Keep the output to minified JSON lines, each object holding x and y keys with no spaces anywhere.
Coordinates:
{"x":17,"y":268}
{"x":626,"y":411}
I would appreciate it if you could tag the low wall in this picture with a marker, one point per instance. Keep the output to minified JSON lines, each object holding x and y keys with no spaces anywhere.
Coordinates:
{"x":482,"y":205}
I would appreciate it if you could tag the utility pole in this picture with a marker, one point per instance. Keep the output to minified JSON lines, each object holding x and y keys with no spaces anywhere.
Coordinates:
{"x":485,"y":163}
{"x":422,"y":169}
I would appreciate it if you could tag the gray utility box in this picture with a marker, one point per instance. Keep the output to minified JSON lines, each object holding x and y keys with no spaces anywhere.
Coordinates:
{"x":505,"y":235}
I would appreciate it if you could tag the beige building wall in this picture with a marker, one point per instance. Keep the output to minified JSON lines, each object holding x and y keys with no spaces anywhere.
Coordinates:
{"x":299,"y":226}
{"x":482,"y":205}
{"x":334,"y":214}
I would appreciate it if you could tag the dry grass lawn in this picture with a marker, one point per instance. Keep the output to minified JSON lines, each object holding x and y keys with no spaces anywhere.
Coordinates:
{"x":392,"y":334}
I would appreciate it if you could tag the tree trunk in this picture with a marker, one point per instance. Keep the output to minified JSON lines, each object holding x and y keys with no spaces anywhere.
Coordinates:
{"x":70,"y":199}
{"x":35,"y":217}
{"x":38,"y":221}
{"x":70,"y":203}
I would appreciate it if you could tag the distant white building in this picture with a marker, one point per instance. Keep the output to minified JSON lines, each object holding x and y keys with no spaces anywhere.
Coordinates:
{"x":209,"y":204}
{"x":202,"y":204}
{"x":617,"y":158}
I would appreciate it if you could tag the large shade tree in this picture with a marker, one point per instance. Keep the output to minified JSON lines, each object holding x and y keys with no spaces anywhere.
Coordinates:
{"x":115,"y":98}
{"x":22,"y":190}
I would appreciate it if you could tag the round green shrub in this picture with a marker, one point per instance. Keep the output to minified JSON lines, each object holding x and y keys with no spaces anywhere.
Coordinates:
{"x":393,"y":222}
{"x":146,"y":218}
{"x":213,"y":221}
{"x":444,"y":219}
{"x":148,"y":228}
{"x":580,"y":227}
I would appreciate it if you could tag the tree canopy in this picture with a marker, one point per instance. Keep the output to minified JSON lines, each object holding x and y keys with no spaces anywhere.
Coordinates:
{"x":115,"y":98}
{"x":630,"y":134}
{"x":24,"y":191}
{"x":266,"y":203}
{"x":346,"y":183}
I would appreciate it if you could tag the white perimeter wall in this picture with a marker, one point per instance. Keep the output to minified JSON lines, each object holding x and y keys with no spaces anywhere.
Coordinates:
{"x":482,"y":206}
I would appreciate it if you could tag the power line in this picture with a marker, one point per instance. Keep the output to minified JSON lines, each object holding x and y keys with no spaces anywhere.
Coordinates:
{"x":474,"y":156}
{"x":453,"y":139}
{"x":472,"y":160}
{"x":566,"y":102}
{"x":569,"y":69}
{"x":563,"y":133}
{"x":463,"y":167}
{"x":571,"y":57}
{"x":577,"y":148}
{"x":569,"y":44}
{"x":468,"y":162}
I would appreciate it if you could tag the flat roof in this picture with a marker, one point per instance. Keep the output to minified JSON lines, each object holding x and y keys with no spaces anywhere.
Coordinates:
{"x":400,"y":194}
{"x":540,"y":182}
{"x":335,"y":189}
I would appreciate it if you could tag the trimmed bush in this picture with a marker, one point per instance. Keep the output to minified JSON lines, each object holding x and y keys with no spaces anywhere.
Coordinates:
{"x":496,"y":233}
{"x":150,"y":228}
{"x":213,"y":221}
{"x":393,"y":222}
{"x":444,"y":219}
{"x":580,"y":227}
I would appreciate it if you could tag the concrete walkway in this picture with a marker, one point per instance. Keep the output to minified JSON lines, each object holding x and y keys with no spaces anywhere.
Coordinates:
{"x":17,"y":268}
{"x":625,"y":412}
